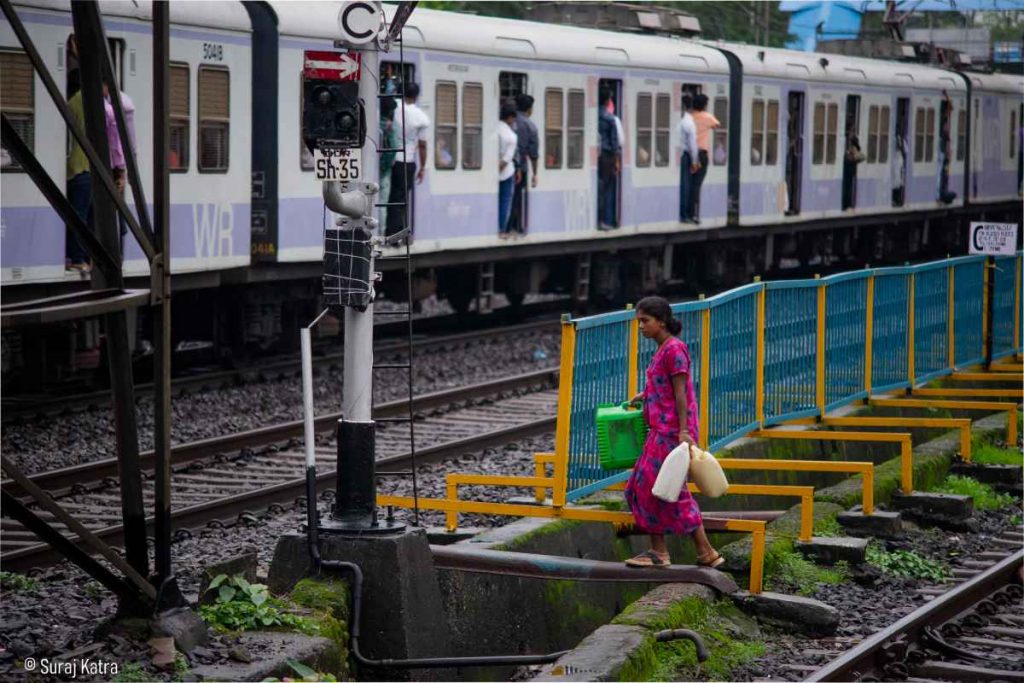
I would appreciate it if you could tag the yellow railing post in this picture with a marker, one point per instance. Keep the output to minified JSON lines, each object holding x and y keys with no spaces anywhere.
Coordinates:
{"x":632,"y":379}
{"x":759,"y":379}
{"x":561,"y":474}
{"x":705,"y":374}
{"x":907,"y":462}
{"x":910,"y":330}
{"x":807,"y":516}
{"x":868,"y":494}
{"x":869,"y":334}
{"x":757,"y":561}
{"x":451,"y":517}
{"x":986,"y":282}
{"x":820,"y":365}
{"x":950,"y":327}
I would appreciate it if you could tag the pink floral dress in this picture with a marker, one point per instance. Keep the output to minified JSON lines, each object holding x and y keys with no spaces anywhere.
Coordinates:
{"x":653,"y":515}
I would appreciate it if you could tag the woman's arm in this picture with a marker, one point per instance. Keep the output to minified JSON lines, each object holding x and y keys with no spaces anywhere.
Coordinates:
{"x":682,"y":409}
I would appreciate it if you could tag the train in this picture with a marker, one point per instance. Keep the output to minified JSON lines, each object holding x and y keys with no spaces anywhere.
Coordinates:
{"x":247,"y":217}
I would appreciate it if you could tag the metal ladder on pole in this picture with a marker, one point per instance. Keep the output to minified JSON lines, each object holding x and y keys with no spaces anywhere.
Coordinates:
{"x":403,"y":235}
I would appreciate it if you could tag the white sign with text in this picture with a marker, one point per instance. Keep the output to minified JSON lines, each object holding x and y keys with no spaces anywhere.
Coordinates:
{"x":993,"y":239}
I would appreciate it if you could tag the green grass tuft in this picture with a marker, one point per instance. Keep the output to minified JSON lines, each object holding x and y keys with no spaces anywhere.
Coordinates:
{"x":787,"y":571}
{"x":829,"y":527}
{"x":905,"y":564}
{"x":985,"y":497}
{"x":989,"y":454}
{"x":18,"y":582}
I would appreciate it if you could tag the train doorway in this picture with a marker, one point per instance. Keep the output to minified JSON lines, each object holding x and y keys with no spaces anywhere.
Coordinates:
{"x":609,"y":163}
{"x":794,"y":151}
{"x":900,"y":152}
{"x":852,"y":152}
{"x":511,"y":86}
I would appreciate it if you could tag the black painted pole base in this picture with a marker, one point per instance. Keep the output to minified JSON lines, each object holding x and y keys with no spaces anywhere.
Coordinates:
{"x":355,"y":502}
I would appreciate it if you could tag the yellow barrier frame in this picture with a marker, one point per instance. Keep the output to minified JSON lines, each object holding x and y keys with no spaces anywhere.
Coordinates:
{"x":969,"y":393}
{"x":1017,"y":377}
{"x":937,"y":404}
{"x":1007,"y":367}
{"x":903,"y":439}
{"x":961,"y":424}
{"x":865,"y":469}
{"x":564,"y":414}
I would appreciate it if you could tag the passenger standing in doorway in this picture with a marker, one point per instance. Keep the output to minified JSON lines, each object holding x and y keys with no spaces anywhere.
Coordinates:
{"x":403,"y":172}
{"x":688,"y":165}
{"x":945,"y":195}
{"x":609,"y":163}
{"x":851,"y":158}
{"x":670,"y":410}
{"x":507,"y":144}
{"x":80,"y":178}
{"x":705,"y":122}
{"x":527,"y":155}
{"x":120,"y":174}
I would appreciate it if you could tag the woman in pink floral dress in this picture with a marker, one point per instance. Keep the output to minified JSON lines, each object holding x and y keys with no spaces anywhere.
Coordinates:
{"x":669,"y":402}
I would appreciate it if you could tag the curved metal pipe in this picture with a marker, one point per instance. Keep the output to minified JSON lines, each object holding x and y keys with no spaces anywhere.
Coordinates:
{"x":677,"y":633}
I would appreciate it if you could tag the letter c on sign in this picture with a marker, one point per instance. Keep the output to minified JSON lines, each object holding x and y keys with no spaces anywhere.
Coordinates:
{"x":974,"y":237}
{"x":359,"y":21}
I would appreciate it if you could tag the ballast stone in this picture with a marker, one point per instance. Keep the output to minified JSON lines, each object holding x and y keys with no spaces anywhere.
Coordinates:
{"x":805,"y":615}
{"x":880,"y":524}
{"x":828,"y":550}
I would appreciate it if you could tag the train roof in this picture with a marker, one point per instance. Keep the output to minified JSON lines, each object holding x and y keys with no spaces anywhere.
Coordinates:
{"x":217,"y":14}
{"x":831,"y":68}
{"x":1009,"y":83}
{"x":455,"y":32}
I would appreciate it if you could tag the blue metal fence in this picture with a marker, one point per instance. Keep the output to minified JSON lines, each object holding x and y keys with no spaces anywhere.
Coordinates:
{"x":1004,"y":293}
{"x":846,"y":309}
{"x":968,"y":311}
{"x":889,"y":358}
{"x":790,"y":339}
{"x":931,"y":322}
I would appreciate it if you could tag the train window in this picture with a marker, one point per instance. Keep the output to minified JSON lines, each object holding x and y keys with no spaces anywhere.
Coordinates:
{"x":961,"y":134}
{"x":181,"y":99}
{"x":446,"y":133}
{"x":929,"y":136}
{"x":1013,"y":134}
{"x":872,"y":152}
{"x":214,"y":118}
{"x":818,"y":142}
{"x":883,"y":134}
{"x":663,"y":128}
{"x":576,"y":118}
{"x":644,"y":133}
{"x":553,"y":128}
{"x":757,"y":132}
{"x":771,"y":134}
{"x":919,"y":135}
{"x":511,"y":84}
{"x":831,"y":133}
{"x":18,"y":105}
{"x":721,"y":134}
{"x":472,"y":125}
{"x":394,"y":74}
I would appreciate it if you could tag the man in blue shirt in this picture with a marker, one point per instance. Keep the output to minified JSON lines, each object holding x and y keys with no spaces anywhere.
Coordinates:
{"x":609,"y":163}
{"x":526,"y":162}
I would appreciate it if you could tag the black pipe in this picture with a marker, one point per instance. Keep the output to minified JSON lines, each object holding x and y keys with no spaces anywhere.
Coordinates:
{"x":677,"y":633}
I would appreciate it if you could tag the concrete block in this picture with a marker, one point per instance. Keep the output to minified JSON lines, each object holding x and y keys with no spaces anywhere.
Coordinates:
{"x":805,"y":615}
{"x":944,"y":510}
{"x":1006,"y":478}
{"x":183,"y":625}
{"x":880,"y":524}
{"x":828,"y":551}
{"x":270,"y":652}
{"x":400,"y":595}
{"x":601,"y":656}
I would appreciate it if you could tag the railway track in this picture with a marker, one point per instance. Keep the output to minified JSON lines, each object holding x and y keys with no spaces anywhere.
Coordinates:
{"x":222,"y":480}
{"x":21,"y":408}
{"x":973,"y":632}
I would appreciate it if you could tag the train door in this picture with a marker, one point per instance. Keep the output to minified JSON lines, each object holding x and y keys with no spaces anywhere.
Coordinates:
{"x":609,"y":167}
{"x":794,"y":151}
{"x":851,"y":149}
{"x":900,"y":152}
{"x":510,"y":86}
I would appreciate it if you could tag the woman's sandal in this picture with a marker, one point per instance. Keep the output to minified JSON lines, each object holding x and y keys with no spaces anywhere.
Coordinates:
{"x":716,"y":561}
{"x":649,"y":558}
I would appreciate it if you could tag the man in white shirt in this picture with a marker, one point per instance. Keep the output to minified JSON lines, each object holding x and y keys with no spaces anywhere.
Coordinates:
{"x":688,"y":164}
{"x":508,"y":142}
{"x":414,"y":140}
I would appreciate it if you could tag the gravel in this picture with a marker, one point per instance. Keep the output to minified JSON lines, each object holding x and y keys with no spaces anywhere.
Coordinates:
{"x":42,"y":445}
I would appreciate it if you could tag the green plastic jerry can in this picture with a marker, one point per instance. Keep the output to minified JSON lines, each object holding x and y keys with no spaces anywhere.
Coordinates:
{"x":621,"y":432}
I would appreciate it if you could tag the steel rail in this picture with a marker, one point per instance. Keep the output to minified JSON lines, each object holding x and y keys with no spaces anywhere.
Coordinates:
{"x":231,"y":507}
{"x":869,"y":657}
{"x":59,"y":480}
{"x":17,"y":408}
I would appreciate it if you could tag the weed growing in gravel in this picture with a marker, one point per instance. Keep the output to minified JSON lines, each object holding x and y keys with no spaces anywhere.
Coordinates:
{"x":989,"y":454}
{"x":788,"y":571}
{"x":242,"y":606}
{"x":1016,"y":520}
{"x":905,"y":564}
{"x":132,"y":672}
{"x":985,"y":497}
{"x":18,"y":582}
{"x":828,"y":526}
